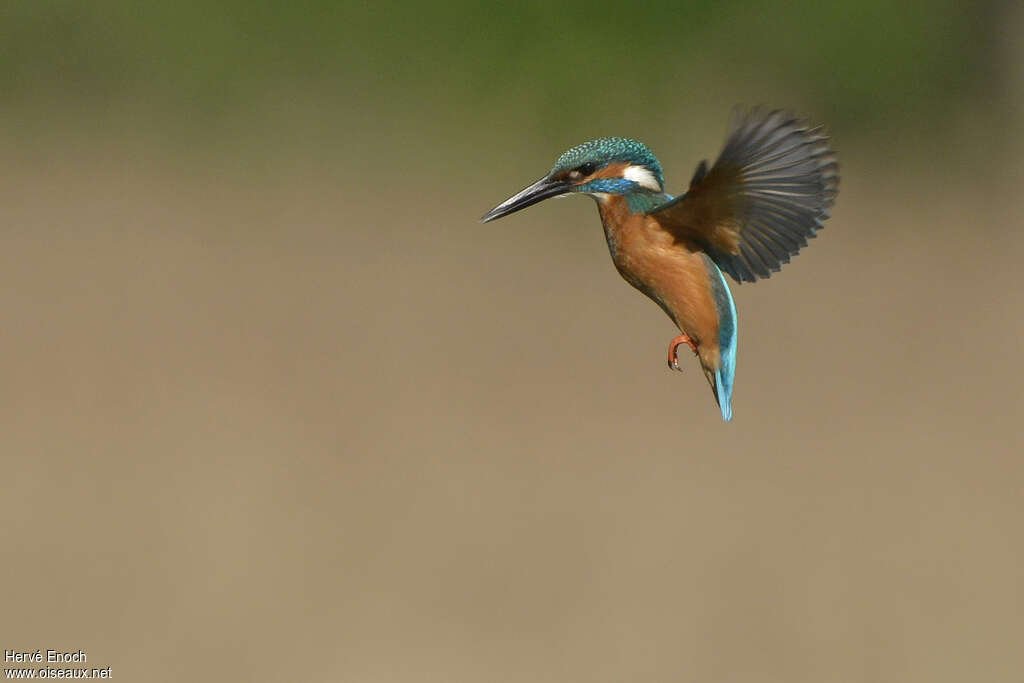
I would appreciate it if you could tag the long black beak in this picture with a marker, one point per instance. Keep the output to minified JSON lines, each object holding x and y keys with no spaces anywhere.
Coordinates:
{"x":538,"y":192}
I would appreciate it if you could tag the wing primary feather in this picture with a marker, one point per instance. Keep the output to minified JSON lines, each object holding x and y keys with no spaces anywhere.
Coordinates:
{"x":768,"y":193}
{"x":699,"y":173}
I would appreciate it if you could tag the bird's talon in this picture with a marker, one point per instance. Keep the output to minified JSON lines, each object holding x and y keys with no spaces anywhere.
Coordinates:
{"x":673,"y":347}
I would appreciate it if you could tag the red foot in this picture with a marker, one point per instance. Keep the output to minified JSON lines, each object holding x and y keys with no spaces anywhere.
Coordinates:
{"x":673,"y":359}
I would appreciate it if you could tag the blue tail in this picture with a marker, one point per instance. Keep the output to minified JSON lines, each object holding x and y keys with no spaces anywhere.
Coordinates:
{"x":723,"y":387}
{"x":725,"y":373}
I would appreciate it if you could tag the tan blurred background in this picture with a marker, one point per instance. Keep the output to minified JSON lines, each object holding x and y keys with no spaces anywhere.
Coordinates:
{"x":275,"y":406}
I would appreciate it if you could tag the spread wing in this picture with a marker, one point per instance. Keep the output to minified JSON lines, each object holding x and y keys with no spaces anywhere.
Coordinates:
{"x":768,"y":193}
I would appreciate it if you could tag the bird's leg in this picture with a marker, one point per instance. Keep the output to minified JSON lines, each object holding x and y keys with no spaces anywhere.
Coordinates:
{"x":673,"y":359}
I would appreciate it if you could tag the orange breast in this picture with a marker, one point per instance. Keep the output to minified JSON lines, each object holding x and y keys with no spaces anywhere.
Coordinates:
{"x":672,"y":275}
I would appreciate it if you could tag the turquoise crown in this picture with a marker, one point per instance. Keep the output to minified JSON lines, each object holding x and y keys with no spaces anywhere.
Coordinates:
{"x":606,"y":150}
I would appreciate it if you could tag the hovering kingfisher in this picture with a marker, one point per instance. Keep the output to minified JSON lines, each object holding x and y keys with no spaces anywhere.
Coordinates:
{"x":768,"y":193}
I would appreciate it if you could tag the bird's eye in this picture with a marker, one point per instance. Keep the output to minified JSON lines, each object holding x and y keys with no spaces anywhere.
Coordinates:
{"x":587,"y":168}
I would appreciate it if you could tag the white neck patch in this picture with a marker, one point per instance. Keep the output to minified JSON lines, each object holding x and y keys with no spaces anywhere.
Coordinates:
{"x":642,"y":176}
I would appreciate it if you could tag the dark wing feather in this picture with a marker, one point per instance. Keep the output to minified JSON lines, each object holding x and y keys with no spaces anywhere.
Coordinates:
{"x":699,"y":172}
{"x":767,"y":194}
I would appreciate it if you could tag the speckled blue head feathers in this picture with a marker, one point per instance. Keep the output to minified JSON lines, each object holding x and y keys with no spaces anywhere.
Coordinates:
{"x":599,"y":168}
{"x":604,"y":151}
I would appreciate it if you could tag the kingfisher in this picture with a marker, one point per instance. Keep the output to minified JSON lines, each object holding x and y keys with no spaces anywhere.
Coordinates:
{"x":769,"y":191}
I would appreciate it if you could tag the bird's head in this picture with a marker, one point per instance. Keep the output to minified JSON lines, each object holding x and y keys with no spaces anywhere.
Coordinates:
{"x":599,"y":168}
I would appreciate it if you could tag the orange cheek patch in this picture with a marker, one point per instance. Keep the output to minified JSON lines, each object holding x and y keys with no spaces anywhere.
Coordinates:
{"x":613,"y":170}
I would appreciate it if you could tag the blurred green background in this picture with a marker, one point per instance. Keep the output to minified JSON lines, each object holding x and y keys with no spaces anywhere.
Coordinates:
{"x":276,"y":406}
{"x":208,"y":71}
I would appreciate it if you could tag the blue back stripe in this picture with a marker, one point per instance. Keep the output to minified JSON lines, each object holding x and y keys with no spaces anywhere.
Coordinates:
{"x":726,"y":337}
